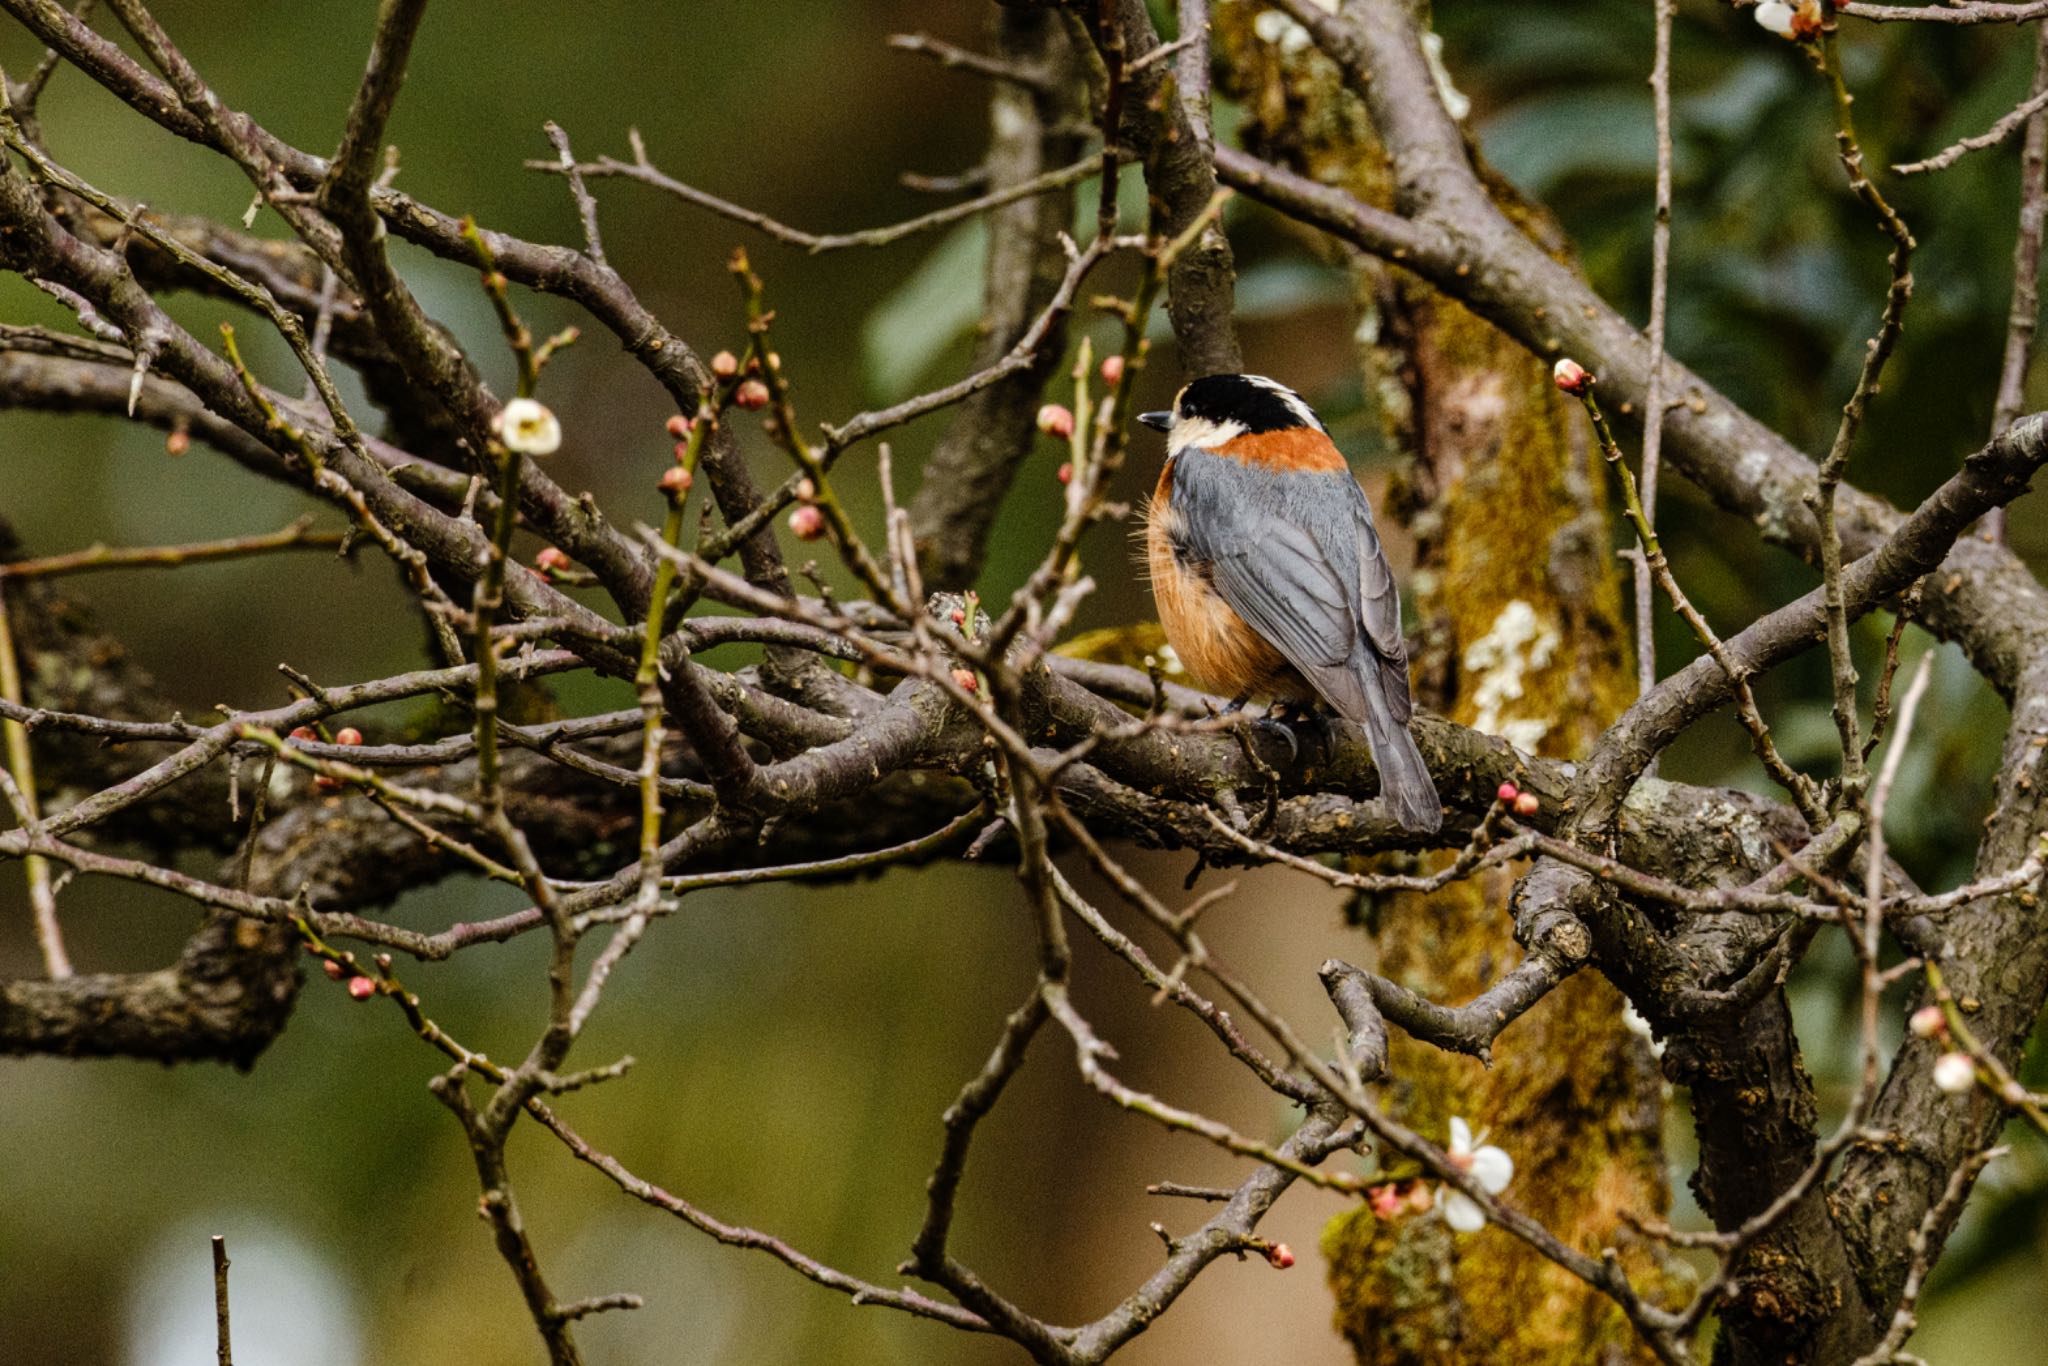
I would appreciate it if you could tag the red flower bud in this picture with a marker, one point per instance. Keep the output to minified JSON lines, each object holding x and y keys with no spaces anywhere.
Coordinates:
{"x":348,"y":735}
{"x":966,"y":680}
{"x":1055,"y":420}
{"x":1571,"y":376}
{"x":1280,"y":1256}
{"x":323,"y":783}
{"x":725,"y":365}
{"x":550,"y":560}
{"x":675,"y":481}
{"x":362,"y":988}
{"x":303,"y":733}
{"x":807,"y":523}
{"x":333,"y":969}
{"x":177,"y":442}
{"x":1066,"y":472}
{"x":751,"y":395}
{"x":1527,"y":805}
{"x":1507,"y":794}
{"x":1112,"y":369}
{"x":679,"y":426}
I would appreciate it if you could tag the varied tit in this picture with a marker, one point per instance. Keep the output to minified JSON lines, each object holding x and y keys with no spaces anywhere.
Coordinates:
{"x":1269,"y":576}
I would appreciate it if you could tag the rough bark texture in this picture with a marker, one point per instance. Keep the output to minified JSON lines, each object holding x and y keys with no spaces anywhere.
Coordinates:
{"x":1031,"y":131}
{"x":1521,"y":632}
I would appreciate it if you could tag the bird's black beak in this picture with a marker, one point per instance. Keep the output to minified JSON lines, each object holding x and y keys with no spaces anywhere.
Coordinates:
{"x":1158,"y":422}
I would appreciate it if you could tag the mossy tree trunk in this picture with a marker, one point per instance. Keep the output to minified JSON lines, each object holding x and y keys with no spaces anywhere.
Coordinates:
{"x":1522,"y":624}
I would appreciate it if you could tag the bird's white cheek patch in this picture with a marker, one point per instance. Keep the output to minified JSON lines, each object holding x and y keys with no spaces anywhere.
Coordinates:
{"x":1202,"y":432}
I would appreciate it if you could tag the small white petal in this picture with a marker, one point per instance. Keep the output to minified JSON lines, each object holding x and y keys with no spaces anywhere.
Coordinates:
{"x":1775,"y":16}
{"x":1461,"y":1212}
{"x":1461,"y":1136}
{"x":1270,"y":25}
{"x":1492,"y":1168}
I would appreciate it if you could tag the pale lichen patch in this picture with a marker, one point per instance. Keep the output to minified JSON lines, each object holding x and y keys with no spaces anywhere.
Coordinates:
{"x":1518,"y":644}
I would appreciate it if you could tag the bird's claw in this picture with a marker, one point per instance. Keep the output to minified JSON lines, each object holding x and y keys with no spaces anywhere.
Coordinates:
{"x":1273,"y":725}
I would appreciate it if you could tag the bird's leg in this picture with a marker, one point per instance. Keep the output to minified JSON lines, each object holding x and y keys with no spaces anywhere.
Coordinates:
{"x":1236,"y":704}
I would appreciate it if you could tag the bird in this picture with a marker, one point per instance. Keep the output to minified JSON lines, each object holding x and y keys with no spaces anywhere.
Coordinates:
{"x":1269,"y":576}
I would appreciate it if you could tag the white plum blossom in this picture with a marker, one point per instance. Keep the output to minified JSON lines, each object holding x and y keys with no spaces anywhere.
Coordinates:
{"x":1775,"y":16}
{"x":1955,"y":1073}
{"x":525,"y":425}
{"x":1491,"y":1167}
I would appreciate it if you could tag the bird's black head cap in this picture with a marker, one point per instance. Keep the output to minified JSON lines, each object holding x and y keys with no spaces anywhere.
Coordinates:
{"x":1256,"y":403}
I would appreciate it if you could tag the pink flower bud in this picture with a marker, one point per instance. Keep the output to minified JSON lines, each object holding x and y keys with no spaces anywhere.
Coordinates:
{"x":807,"y":523}
{"x":806,"y":490}
{"x":323,"y":783}
{"x":1055,"y":420}
{"x":1066,"y":472}
{"x":675,"y":481}
{"x":751,"y":395}
{"x":725,"y":365}
{"x":1280,"y":1256}
{"x":1526,"y":804}
{"x":966,"y":681}
{"x":177,"y":442}
{"x":1112,"y":369}
{"x":333,"y":969}
{"x":679,"y":426}
{"x":1928,"y":1023}
{"x":362,"y":988}
{"x":1385,"y":1201}
{"x":1571,"y":376}
{"x":550,"y":560}
{"x":303,"y":733}
{"x":1507,"y":794}
{"x":348,"y":735}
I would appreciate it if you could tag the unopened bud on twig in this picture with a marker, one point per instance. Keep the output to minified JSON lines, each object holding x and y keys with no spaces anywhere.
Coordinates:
{"x":725,"y":365}
{"x":1571,"y":376}
{"x":1055,"y":420}
{"x":675,"y":481}
{"x":1112,"y":370}
{"x":1955,"y":1073}
{"x":807,"y":523}
{"x":550,"y":560}
{"x":966,"y":680}
{"x":1527,"y":804}
{"x":751,"y":395}
{"x":679,"y":426}
{"x":1928,"y":1023}
{"x":361,"y":988}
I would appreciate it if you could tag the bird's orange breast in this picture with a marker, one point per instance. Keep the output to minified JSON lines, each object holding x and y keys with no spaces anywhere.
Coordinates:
{"x":1217,"y":648}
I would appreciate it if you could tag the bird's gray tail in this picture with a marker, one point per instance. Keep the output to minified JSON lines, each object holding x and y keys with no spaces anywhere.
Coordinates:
{"x":1405,"y":784}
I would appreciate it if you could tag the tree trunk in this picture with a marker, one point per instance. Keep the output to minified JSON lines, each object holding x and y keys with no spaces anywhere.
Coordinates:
{"x":1522,"y":634}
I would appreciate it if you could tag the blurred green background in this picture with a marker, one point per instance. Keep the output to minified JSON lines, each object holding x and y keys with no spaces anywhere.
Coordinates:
{"x":795,"y":1046}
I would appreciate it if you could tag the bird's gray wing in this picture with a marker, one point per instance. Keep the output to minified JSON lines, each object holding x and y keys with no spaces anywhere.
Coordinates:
{"x":1285,"y":551}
